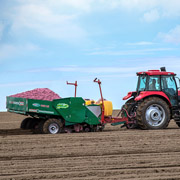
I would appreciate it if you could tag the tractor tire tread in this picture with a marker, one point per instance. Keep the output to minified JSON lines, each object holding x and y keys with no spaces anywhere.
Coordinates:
{"x":140,"y":112}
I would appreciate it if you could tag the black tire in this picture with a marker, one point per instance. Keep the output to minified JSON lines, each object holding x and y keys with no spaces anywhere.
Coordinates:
{"x":52,"y":126}
{"x":32,"y":123}
{"x":131,"y":109}
{"x":178,"y":123}
{"x":25,"y":122}
{"x":86,"y":128}
{"x":101,"y":128}
{"x":38,"y":127}
{"x":153,"y":113}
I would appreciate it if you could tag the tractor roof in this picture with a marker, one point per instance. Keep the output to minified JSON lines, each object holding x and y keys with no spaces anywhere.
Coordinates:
{"x":155,"y":72}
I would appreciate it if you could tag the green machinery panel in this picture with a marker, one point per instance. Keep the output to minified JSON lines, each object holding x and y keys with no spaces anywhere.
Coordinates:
{"x":41,"y":107}
{"x":73,"y":110}
{"x":17,"y":105}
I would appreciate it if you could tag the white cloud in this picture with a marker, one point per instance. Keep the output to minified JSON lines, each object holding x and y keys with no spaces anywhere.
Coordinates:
{"x":78,"y":4}
{"x":46,"y":21}
{"x":131,"y":66}
{"x":93,"y":70}
{"x":25,"y":83}
{"x":130,"y":5}
{"x":173,"y":36}
{"x":165,"y":8}
{"x":62,"y":5}
{"x":151,"y":16}
{"x":141,"y":43}
{"x":9,"y":50}
{"x":1,"y":30}
{"x":62,"y":69}
{"x":170,"y":8}
{"x":151,"y":10}
{"x":131,"y":52}
{"x":59,"y":19}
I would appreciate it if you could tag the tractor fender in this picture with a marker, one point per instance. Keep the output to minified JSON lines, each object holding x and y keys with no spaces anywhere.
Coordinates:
{"x":130,"y":94}
{"x":178,"y":93}
{"x":144,"y":94}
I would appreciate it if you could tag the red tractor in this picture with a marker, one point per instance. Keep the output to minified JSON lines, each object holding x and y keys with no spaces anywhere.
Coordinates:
{"x":156,"y":100}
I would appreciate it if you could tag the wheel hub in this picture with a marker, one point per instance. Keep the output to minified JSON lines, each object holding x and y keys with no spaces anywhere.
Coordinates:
{"x":53,"y":128}
{"x":155,"y":115}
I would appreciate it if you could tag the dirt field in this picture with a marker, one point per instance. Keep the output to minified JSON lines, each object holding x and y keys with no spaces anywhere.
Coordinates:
{"x":113,"y":154}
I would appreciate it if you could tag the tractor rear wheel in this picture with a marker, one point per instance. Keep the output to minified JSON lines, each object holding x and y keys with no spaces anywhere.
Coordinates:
{"x":153,"y":113}
{"x":52,"y":126}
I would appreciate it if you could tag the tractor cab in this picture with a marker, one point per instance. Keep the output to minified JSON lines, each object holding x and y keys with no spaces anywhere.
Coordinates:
{"x":156,"y":83}
{"x":160,"y":83}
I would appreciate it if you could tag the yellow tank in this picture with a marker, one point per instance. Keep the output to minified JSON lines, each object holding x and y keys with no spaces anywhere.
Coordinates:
{"x":89,"y":101}
{"x":108,"y":107}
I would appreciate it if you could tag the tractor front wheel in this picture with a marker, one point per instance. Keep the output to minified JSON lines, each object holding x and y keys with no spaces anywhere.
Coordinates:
{"x":153,"y":113}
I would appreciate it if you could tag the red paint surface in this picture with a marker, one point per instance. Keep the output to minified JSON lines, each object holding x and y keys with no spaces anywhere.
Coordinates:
{"x":144,"y":94}
{"x":178,"y":93}
{"x":155,"y":72}
{"x":128,"y":95}
{"x":115,"y":119}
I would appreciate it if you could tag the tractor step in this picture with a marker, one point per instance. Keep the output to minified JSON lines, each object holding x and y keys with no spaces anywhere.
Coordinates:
{"x":118,"y":123}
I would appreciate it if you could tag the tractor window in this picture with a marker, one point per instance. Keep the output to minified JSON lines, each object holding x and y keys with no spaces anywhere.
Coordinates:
{"x":153,"y":83}
{"x":142,"y":83}
{"x":169,"y":87}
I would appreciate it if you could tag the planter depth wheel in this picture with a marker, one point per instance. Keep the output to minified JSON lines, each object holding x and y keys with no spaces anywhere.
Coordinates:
{"x":52,"y":126}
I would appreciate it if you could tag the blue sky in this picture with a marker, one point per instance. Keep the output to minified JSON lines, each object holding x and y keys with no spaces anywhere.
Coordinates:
{"x":44,"y":43}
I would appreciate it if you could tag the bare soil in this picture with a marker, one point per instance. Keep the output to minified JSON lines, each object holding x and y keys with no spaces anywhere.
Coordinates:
{"x":113,"y":154}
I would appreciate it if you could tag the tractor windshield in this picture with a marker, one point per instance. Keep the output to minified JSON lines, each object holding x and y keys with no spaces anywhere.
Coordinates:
{"x":153,"y":83}
{"x":149,"y":83}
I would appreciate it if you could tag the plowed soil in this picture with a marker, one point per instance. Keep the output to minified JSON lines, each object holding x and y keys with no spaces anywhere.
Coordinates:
{"x":113,"y":154}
